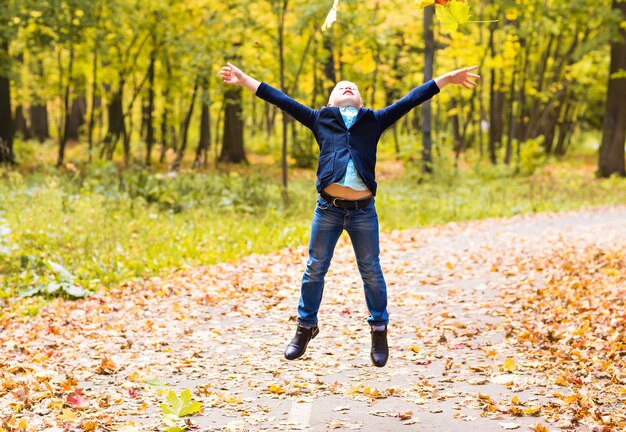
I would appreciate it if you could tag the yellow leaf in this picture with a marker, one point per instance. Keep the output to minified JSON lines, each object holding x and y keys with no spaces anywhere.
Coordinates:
{"x":561,"y":380}
{"x":414,"y":348}
{"x":275,"y":389}
{"x":354,"y":389}
{"x":134,"y":377}
{"x":509,"y":365}
{"x":68,"y":416}
{"x":90,"y":426}
{"x":532,"y":410}
{"x":375,"y":393}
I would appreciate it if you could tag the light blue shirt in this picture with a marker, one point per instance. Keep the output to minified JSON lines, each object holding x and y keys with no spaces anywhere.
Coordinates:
{"x":351,"y":178}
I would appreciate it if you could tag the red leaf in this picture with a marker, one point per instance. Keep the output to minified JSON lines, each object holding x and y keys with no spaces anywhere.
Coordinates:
{"x":77,"y":399}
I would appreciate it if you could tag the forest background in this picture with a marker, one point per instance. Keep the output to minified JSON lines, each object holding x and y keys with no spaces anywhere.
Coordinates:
{"x":124,"y":156}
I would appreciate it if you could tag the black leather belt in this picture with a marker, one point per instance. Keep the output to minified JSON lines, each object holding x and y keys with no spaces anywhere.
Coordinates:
{"x":346,"y":204}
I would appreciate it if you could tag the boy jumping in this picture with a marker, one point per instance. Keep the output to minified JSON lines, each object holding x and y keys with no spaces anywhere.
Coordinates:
{"x":347,"y":135}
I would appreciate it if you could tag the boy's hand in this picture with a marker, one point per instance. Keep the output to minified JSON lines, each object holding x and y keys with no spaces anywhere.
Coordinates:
{"x":231,"y":74}
{"x":459,"y":76}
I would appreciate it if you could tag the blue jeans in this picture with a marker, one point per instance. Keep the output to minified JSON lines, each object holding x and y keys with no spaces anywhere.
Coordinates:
{"x":362,"y":226}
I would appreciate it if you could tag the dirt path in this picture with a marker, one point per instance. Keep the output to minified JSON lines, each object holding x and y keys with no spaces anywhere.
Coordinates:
{"x":495,"y":325}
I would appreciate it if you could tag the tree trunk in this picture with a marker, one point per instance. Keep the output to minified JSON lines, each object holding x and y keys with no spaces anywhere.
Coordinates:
{"x":116,"y":122}
{"x":232,"y":138}
{"x":149,"y":115}
{"x":281,"y":62}
{"x":164,"y":126}
{"x":186,"y":123}
{"x":20,"y":124}
{"x":166,"y":108}
{"x":392,"y":93}
{"x":77,"y":117}
{"x":429,"y":59}
{"x":329,"y":64}
{"x":496,"y":104}
{"x":611,"y":155}
{"x":94,"y":99}
{"x":205,"y":128}
{"x":39,"y":122}
{"x":459,"y":139}
{"x":6,"y":126}
{"x":509,"y":142}
{"x":66,"y":109}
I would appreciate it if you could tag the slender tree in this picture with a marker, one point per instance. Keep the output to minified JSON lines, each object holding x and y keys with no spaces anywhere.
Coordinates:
{"x":429,"y":60}
{"x":6,"y":124}
{"x":611,"y":155}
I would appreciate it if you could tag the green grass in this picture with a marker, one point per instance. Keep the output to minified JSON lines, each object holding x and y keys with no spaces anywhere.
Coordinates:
{"x":106,"y":225}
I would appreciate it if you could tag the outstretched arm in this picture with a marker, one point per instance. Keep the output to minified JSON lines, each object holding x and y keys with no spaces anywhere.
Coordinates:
{"x":231,"y":74}
{"x":391,"y":114}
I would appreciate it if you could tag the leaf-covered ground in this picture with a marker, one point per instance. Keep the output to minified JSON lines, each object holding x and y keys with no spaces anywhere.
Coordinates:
{"x":500,"y":324}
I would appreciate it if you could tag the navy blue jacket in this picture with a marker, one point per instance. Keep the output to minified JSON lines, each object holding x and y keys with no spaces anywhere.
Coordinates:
{"x":337,"y":143}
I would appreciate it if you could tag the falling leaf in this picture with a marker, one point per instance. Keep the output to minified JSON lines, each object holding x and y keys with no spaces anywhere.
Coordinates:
{"x":331,"y":17}
{"x":453,"y":14}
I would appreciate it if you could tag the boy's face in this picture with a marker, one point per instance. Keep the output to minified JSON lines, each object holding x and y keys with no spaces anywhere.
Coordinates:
{"x":345,"y":94}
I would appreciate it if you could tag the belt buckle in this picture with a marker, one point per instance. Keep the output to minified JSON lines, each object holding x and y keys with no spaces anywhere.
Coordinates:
{"x":334,"y":201}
